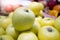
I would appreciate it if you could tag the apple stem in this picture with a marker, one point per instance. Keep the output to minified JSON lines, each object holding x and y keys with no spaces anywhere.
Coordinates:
{"x":49,"y":29}
{"x":27,"y":11}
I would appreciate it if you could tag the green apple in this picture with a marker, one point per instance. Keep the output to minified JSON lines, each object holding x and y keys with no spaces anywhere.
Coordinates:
{"x":57,"y":23}
{"x":2,"y":31}
{"x":23,"y":19}
{"x":35,"y":26}
{"x":6,"y":22}
{"x":6,"y":37}
{"x":27,"y":36}
{"x":48,"y":33}
{"x":10,"y":30}
{"x":47,"y":21}
{"x":36,"y":7}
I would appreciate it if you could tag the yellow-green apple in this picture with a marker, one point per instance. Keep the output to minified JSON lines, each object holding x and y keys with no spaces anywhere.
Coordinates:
{"x":27,"y":36}
{"x":10,"y":30}
{"x":35,"y":26}
{"x":48,"y":33}
{"x":39,"y":19}
{"x":36,"y":7}
{"x":2,"y":31}
{"x":6,"y":22}
{"x":47,"y":21}
{"x":10,"y":15}
{"x":57,"y":23}
{"x":23,"y":19}
{"x":41,"y":13}
{"x":1,"y":19}
{"x":6,"y":37}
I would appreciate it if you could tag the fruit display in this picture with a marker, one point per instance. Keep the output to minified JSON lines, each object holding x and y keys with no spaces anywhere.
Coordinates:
{"x":30,"y":20}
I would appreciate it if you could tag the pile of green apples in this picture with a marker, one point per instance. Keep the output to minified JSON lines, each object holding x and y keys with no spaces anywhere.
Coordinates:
{"x":28,"y":23}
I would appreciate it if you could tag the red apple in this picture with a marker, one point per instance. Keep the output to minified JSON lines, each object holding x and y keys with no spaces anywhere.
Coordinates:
{"x":9,"y":8}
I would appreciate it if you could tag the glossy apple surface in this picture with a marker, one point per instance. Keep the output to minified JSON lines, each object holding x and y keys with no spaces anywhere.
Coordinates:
{"x":48,"y":33}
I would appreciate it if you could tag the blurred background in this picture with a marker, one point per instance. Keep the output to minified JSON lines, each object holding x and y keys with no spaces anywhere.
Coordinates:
{"x":13,"y":4}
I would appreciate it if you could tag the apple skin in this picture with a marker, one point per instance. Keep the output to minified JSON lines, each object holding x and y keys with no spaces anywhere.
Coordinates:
{"x":6,"y":22}
{"x":41,"y":13}
{"x":10,"y":15}
{"x":6,"y":37}
{"x":23,"y":19}
{"x":2,"y":31}
{"x":10,"y":30}
{"x":35,"y":26}
{"x":47,"y":21}
{"x":57,"y":23}
{"x":27,"y":36}
{"x":1,"y":19}
{"x":48,"y":33}
{"x":39,"y":19}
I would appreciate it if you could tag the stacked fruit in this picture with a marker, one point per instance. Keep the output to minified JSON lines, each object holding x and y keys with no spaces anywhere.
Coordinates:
{"x":31,"y":23}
